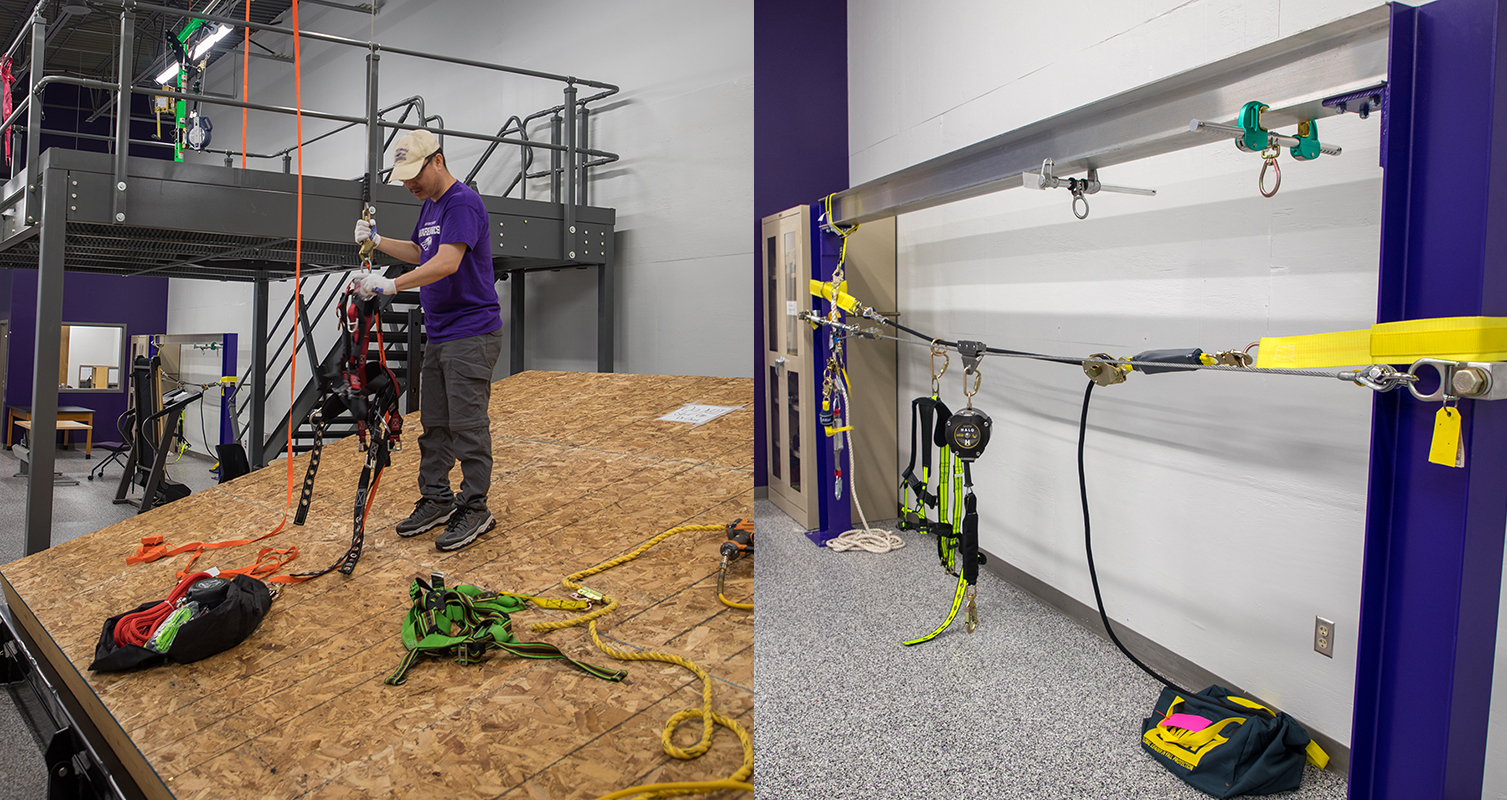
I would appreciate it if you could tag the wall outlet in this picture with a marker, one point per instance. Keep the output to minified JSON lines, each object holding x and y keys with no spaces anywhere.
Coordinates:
{"x":1323,"y":636}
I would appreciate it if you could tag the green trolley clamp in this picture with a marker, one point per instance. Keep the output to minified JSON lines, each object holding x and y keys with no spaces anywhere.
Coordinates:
{"x":1256,"y":137}
{"x":1308,"y":141}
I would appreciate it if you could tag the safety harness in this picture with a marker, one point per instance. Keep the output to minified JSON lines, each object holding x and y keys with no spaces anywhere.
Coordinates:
{"x":921,"y":509}
{"x":961,"y":439}
{"x":369,"y":391}
{"x":466,"y":623}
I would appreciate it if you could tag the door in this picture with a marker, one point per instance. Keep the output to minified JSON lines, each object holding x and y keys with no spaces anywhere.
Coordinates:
{"x":787,"y":364}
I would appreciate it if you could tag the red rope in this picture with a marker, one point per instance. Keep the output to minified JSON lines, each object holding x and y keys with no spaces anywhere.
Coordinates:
{"x":137,"y":628}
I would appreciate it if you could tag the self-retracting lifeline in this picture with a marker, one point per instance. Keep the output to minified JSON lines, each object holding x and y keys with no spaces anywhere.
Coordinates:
{"x":966,"y":434}
{"x":369,"y":390}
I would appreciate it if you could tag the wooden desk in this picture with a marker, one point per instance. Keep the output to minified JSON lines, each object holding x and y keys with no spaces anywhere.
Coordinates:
{"x":67,"y":426}
{"x":14,"y":415}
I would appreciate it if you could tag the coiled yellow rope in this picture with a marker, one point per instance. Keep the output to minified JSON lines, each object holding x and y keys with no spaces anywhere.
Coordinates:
{"x":709,"y":718}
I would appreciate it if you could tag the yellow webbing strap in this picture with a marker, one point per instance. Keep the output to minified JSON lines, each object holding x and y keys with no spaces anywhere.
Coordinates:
{"x":957,"y":603}
{"x":842,"y":300}
{"x":550,"y":602}
{"x":1451,"y":338}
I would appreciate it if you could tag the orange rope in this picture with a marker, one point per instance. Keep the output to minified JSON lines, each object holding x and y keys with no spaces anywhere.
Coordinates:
{"x":245,"y":83}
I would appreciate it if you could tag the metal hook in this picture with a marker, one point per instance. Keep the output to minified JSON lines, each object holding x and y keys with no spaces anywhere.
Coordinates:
{"x":1269,"y":161}
{"x":936,"y":375}
{"x":977,"y":377}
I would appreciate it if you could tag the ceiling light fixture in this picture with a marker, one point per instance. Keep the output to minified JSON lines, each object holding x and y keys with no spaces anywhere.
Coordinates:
{"x":169,"y":75}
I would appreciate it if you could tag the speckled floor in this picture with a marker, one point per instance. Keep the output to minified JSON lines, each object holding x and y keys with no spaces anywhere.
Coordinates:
{"x":1030,"y":706}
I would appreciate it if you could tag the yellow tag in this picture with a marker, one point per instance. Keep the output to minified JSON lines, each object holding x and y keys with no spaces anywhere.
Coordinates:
{"x":1447,"y":448}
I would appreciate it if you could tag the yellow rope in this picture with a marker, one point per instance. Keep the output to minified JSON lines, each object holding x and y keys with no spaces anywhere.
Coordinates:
{"x":709,"y":718}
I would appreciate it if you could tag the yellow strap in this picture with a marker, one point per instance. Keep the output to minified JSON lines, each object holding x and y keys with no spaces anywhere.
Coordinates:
{"x":843,"y":300}
{"x":1316,"y":755}
{"x":1451,"y":338}
{"x":550,"y":602}
{"x":1250,"y":704}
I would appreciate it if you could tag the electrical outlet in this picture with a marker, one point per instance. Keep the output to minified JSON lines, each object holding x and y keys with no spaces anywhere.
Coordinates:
{"x":1323,"y":636}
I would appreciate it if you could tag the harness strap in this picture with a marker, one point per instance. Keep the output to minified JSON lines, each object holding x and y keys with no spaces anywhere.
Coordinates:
{"x":464,"y":623}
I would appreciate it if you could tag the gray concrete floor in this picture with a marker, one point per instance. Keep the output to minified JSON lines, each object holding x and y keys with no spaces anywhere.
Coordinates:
{"x":1031,"y":705}
{"x":77,"y":510}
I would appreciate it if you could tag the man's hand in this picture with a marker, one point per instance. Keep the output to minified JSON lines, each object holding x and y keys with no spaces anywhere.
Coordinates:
{"x":371,"y":284}
{"x":365,"y":233}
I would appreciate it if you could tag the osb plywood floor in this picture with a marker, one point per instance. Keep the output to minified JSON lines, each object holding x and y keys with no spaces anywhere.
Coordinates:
{"x":583,"y":472}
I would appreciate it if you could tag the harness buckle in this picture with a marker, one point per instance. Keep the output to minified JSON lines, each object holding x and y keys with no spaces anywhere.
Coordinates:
{"x":973,"y":613}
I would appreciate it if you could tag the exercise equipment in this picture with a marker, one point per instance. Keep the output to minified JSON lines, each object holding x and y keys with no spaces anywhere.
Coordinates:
{"x":151,"y":439}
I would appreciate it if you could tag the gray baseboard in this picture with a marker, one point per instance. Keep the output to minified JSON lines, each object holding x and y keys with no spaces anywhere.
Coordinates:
{"x":1176,"y":668}
{"x":761,"y":492}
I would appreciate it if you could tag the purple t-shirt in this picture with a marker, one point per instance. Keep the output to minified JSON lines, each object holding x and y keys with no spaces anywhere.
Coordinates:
{"x":464,"y":303}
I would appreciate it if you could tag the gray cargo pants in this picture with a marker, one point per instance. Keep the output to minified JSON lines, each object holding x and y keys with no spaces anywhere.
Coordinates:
{"x":453,"y":400}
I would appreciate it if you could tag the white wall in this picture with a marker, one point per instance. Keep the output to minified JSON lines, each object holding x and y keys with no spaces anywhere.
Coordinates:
{"x":683,"y":125}
{"x":1228,"y":509}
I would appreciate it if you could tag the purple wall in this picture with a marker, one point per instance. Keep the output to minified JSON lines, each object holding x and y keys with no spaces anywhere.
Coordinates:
{"x":800,"y":134}
{"x":138,"y":303}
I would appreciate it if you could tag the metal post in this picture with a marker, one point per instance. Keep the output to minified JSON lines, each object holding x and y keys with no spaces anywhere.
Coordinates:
{"x":568,"y":179}
{"x":373,"y":130}
{"x":256,"y":446}
{"x":1432,"y":570}
{"x":515,"y":329}
{"x":554,"y":159}
{"x":34,"y":119}
{"x":583,"y":141}
{"x":229,"y":350}
{"x":123,"y":113}
{"x":606,"y":315}
{"x":415,"y":359}
{"x":44,"y":378}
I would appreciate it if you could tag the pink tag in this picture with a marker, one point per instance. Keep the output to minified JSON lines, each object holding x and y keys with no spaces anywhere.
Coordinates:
{"x":1188,"y":722}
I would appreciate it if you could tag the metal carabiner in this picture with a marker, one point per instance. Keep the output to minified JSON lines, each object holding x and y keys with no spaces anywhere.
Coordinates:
{"x":936,"y":375}
{"x":977,"y":376}
{"x":1269,"y":160}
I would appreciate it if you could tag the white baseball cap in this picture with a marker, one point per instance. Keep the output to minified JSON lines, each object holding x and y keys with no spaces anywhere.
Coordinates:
{"x":408,"y":157}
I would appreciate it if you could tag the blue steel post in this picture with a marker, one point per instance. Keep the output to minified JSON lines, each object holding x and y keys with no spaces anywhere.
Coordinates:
{"x":1433,"y":549}
{"x":833,"y":494}
{"x":228,"y":350}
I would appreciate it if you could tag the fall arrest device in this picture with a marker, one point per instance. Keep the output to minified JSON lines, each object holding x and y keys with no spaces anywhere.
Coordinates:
{"x":369,"y":391}
{"x":466,"y":623}
{"x":961,"y":437}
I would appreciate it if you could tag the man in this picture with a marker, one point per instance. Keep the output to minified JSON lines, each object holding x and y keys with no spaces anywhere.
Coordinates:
{"x":457,"y":288}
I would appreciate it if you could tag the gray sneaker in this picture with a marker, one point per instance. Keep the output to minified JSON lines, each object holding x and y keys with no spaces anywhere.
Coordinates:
{"x":426,"y":514}
{"x":464,"y":527}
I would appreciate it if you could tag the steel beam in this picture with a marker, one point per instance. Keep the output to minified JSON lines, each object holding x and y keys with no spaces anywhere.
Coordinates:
{"x":515,"y":329}
{"x":123,"y":114}
{"x":606,"y":316}
{"x":1291,"y":75}
{"x":44,"y":378}
{"x":374,"y":146}
{"x":34,"y":121}
{"x":1433,"y":550}
{"x":568,"y":230}
{"x":258,"y":423}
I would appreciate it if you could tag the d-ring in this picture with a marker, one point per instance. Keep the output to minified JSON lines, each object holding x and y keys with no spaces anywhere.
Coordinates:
{"x":1446,"y":370}
{"x":1261,"y":182}
{"x":1079,"y":198}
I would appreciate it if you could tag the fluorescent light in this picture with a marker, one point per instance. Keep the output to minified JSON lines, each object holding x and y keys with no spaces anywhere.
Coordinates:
{"x":210,"y":41}
{"x":170,"y":74}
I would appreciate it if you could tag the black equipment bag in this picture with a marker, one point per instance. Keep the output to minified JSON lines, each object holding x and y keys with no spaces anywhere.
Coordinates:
{"x":225,"y":625}
{"x":1225,"y":745}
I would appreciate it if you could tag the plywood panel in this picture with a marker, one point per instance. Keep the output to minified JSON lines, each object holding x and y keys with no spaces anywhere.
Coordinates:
{"x":582,"y":473}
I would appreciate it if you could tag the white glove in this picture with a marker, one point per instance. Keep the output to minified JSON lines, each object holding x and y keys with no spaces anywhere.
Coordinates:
{"x":371,"y":284}
{"x":364,"y":233}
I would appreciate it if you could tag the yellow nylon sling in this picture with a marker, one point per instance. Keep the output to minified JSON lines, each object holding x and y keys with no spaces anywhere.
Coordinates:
{"x":1449,"y":338}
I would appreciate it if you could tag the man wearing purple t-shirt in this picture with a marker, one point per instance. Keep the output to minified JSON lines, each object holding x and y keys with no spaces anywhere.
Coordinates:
{"x":457,"y":287}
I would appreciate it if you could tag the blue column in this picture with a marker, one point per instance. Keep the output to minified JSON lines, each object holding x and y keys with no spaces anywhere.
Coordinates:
{"x":1433,"y":549}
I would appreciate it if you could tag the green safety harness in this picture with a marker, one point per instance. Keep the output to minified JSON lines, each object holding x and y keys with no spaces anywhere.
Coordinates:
{"x":960,"y":438}
{"x":938,"y":512}
{"x":465,"y":623}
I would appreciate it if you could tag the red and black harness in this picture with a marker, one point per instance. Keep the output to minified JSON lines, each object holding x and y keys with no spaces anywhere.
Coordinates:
{"x":369,"y":391}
